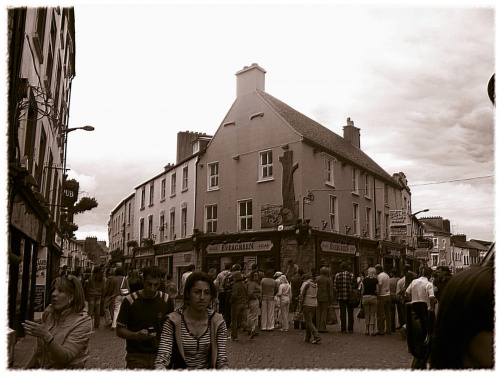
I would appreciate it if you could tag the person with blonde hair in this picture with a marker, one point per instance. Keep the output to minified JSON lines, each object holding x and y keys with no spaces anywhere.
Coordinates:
{"x":285,"y":295}
{"x":62,"y":346}
{"x":369,"y":294}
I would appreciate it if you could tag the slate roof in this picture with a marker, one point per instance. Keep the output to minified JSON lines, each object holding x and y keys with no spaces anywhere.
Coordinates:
{"x":313,"y":131}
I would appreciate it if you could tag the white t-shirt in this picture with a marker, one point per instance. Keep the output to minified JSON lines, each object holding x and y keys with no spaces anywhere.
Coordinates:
{"x":383,"y":281}
{"x":421,"y":290}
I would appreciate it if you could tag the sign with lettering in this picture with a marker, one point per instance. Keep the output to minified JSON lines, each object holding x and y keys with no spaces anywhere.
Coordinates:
{"x":144,"y":252}
{"x":39,"y":304}
{"x":398,"y":230}
{"x":257,"y":246}
{"x":69,"y":193}
{"x":397,"y":217}
{"x":327,"y":246}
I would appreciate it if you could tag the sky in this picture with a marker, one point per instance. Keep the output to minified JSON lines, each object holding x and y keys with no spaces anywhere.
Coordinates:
{"x":413,"y":78}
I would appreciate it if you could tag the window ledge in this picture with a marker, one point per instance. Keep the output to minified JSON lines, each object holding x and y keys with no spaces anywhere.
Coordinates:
{"x":368,"y":197}
{"x":184,"y":190}
{"x":329,"y":184}
{"x":265,"y":180}
{"x":213,"y":189}
{"x":355,"y":193}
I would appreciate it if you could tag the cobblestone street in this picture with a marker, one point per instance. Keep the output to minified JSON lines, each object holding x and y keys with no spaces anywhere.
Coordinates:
{"x":269,"y":350}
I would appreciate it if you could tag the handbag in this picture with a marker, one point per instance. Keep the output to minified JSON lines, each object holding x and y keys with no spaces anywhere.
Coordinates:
{"x":123,"y":291}
{"x":331,"y":315}
{"x":361,"y":313}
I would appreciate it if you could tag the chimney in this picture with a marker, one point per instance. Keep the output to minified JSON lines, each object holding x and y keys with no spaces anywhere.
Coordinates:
{"x":249,"y":79}
{"x":351,"y":133}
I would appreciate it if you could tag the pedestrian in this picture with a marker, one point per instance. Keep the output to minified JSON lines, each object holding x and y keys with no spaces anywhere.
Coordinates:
{"x":269,"y":288}
{"x":170,"y":287}
{"x":118,"y":283}
{"x":223,"y":296}
{"x":383,"y":302}
{"x":394,"y":301}
{"x":285,"y":296}
{"x":422,"y":290}
{"x":296,"y":283}
{"x":443,"y":277}
{"x":96,"y":289}
{"x":212,"y":273}
{"x":465,"y":321}
{"x":238,"y":306}
{"x":190,"y":269}
{"x":291,"y":269}
{"x":369,"y":298}
{"x":325,"y":297}
{"x":140,"y":320}
{"x":134,"y":281}
{"x":254,"y":294}
{"x":307,"y":305}
{"x":109,"y":299}
{"x":63,"y":333}
{"x":344,"y":282}
{"x":194,"y":336}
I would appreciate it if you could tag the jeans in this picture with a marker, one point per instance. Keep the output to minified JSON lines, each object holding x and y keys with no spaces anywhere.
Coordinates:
{"x":267,"y":314}
{"x":117,"y":304}
{"x":321,"y":311}
{"x":238,"y":313}
{"x":253,"y":314}
{"x":343,"y":307}
{"x":109,"y":308}
{"x":370,"y":305}
{"x":95,"y":310}
{"x":140,"y":361}
{"x":384,"y":314}
{"x":310,"y":328}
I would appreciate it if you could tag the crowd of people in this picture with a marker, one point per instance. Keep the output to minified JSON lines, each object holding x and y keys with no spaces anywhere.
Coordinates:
{"x":215,"y":308}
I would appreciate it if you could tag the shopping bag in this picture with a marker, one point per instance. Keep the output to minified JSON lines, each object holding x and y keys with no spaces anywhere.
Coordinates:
{"x":361,"y":313}
{"x":331,"y":315}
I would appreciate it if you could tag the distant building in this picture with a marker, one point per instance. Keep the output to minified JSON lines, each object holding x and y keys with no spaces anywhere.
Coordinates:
{"x":437,"y":230}
{"x":466,"y":254}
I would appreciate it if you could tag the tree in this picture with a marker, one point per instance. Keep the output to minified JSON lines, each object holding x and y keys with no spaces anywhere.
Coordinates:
{"x":116,"y":256}
{"x":71,"y":207}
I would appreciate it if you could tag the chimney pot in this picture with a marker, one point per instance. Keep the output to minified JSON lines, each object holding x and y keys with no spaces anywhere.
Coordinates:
{"x":250,"y":78}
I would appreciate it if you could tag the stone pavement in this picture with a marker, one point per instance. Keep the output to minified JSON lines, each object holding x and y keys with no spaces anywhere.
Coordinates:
{"x":269,"y":350}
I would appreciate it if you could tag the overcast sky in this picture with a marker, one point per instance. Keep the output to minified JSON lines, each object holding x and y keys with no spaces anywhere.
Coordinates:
{"x":413,"y":79}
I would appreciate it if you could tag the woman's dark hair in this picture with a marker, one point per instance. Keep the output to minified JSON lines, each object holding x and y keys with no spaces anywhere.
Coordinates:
{"x":465,"y":309}
{"x":192,"y":279}
{"x":153,"y":271}
{"x":120,"y":271}
{"x":72,"y":286}
{"x":269,"y":273}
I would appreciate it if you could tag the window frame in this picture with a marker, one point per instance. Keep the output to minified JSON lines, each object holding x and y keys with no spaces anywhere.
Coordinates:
{"x":248,"y":218}
{"x":213,"y":179}
{"x":333,"y":210}
{"x":185,"y":178}
{"x":354,"y":181}
{"x":355,"y":219}
{"x":173,"y":184}
{"x":266,"y":167}
{"x":211,"y":220}
{"x":328,"y":171}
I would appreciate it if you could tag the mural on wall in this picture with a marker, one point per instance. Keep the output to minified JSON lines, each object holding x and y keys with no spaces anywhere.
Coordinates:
{"x":290,"y":211}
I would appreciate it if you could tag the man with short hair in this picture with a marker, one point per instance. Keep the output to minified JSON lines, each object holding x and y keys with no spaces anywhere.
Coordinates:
{"x":383,"y":302}
{"x":141,"y":318}
{"x":186,"y":274}
{"x":422,"y":290}
{"x":291,"y":270}
{"x":223,"y":294}
{"x":343,"y":283}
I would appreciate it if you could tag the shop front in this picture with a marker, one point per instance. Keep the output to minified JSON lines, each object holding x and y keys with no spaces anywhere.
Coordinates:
{"x":143,"y":257}
{"x":263,"y":252}
{"x":334,"y":251}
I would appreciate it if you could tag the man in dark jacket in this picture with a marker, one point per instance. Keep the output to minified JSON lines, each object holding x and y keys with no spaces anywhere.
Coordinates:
{"x":296,"y":283}
{"x":238,"y":305}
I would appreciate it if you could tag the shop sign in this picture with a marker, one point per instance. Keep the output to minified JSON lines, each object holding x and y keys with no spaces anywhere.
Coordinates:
{"x":144,"y":252}
{"x":39,"y":304}
{"x":397,"y":216}
{"x":398,"y":230}
{"x":258,"y":246}
{"x":171,"y":248}
{"x":24,"y":220}
{"x":338,"y":247}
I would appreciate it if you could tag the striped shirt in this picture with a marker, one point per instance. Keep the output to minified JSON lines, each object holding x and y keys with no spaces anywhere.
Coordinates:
{"x":196,"y":349}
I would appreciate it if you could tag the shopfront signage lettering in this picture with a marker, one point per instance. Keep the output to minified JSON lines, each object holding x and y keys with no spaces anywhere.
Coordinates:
{"x":256,"y":246}
{"x":397,"y":216}
{"x":141,"y":253}
{"x":338,"y":247}
{"x":393,"y":252}
{"x":398,"y":230}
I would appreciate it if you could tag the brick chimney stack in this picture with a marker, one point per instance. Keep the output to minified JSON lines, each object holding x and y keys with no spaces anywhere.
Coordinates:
{"x":352,"y":134}
{"x":249,"y":79}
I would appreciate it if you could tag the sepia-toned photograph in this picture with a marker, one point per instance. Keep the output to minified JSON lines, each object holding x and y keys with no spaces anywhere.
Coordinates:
{"x":248,"y":187}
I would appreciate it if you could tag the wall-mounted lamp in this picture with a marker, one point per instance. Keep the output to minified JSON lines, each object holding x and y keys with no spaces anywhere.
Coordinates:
{"x":347,"y":229}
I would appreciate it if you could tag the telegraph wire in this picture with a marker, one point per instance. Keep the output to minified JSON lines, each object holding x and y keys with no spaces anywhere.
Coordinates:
{"x":451,"y":181}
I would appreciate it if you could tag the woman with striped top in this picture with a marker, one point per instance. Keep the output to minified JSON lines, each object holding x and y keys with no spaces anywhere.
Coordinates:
{"x":194,"y":336}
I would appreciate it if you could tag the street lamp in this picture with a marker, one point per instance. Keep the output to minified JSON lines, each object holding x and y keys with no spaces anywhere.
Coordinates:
{"x":420,"y":211}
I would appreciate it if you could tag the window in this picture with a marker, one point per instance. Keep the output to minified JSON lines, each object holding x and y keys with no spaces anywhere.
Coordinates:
{"x":172,"y":225}
{"x":378,"y":225}
{"x":245,"y":215}
{"x":39,"y":35}
{"x":141,"y":230}
{"x":150,"y":226}
{"x":368,"y":228}
{"x":386,"y":235}
{"x":213,"y":175}
{"x":367,"y":184}
{"x":266,"y":165}
{"x":355,"y":216}
{"x":129,"y":212}
{"x":183,"y":222}
{"x":162,"y":227}
{"x":211,"y":218}
{"x":151,"y":194}
{"x":163,"y":189}
{"x":41,"y":157}
{"x":143,"y":197}
{"x":435,"y":242}
{"x":173,"y":184}
{"x":444,"y":243}
{"x":333,"y":211}
{"x":434,"y":259}
{"x":354,"y":178}
{"x":185,"y":178}
{"x":386,"y":195}
{"x":329,"y":171}
{"x":466,"y":259}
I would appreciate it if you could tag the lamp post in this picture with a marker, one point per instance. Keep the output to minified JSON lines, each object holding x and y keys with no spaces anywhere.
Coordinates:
{"x":413,"y":218}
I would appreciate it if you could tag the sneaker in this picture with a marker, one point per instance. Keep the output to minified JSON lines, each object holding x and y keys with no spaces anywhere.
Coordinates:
{"x":316,"y":341}
{"x":252,"y":334}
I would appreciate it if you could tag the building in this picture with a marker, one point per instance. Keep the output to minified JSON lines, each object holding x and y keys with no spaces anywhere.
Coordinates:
{"x":41,"y":43}
{"x":465,"y":254}
{"x":437,"y":230}
{"x":121,"y":227}
{"x":275,"y":185}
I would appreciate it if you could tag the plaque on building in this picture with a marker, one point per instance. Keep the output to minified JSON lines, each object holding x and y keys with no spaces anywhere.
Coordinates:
{"x":327,"y":246}
{"x":257,"y":246}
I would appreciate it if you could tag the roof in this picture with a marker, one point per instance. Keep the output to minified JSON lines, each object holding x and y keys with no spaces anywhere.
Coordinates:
{"x":322,"y":136}
{"x":431,"y":228}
